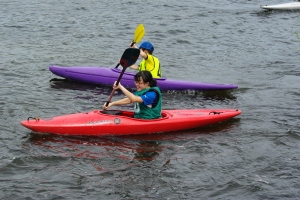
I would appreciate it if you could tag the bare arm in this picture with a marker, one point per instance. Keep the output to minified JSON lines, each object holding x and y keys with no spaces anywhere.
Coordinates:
{"x":130,"y":97}
{"x":136,"y":67}
{"x":117,"y":103}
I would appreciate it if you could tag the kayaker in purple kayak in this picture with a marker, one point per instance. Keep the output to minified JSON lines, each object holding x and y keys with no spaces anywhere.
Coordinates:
{"x":147,"y":99}
{"x":149,"y":63}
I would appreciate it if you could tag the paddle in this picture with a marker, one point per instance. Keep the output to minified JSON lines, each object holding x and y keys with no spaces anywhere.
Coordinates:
{"x":128,"y":58}
{"x":138,"y":35}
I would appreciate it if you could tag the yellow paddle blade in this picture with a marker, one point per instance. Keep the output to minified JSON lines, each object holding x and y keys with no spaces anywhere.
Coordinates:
{"x":139,"y":33}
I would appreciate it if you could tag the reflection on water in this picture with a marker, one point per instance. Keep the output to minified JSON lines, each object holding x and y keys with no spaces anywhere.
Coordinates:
{"x":147,"y":150}
{"x":205,"y":95}
{"x":96,"y":147}
{"x":57,"y":83}
{"x":218,"y":95}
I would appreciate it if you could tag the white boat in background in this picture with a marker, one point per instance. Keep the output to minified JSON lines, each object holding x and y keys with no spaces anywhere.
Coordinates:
{"x":283,"y":6}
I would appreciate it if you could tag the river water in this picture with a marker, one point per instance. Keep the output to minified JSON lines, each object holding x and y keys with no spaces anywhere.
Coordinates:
{"x":253,"y":156}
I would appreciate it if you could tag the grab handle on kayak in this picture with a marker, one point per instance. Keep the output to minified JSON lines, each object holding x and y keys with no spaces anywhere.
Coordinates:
{"x":215,"y":113}
{"x":36,"y":119}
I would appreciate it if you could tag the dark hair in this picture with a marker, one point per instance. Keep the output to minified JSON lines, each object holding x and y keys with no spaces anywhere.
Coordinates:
{"x":146,"y":76}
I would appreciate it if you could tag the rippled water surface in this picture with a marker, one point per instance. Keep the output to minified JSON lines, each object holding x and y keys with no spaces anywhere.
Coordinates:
{"x":253,"y":156}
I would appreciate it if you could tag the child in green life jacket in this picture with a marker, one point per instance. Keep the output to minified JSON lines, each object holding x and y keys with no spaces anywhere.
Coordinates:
{"x":149,"y":63}
{"x":147,"y":99}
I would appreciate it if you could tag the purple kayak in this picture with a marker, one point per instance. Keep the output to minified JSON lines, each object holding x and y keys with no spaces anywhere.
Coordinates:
{"x":107,"y":76}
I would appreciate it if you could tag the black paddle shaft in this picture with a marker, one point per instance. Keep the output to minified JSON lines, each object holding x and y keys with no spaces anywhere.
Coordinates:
{"x":128,"y":58}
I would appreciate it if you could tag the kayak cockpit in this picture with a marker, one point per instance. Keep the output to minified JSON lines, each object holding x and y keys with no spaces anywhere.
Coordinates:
{"x":111,"y":112}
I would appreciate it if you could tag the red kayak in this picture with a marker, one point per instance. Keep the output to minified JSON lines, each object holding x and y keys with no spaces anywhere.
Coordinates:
{"x":120,"y":122}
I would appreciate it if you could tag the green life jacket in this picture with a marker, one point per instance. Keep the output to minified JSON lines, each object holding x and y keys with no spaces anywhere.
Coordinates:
{"x":153,"y":69}
{"x":142,"y":111}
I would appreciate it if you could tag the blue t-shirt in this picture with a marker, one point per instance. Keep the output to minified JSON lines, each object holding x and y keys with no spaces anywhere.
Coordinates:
{"x":149,"y":98}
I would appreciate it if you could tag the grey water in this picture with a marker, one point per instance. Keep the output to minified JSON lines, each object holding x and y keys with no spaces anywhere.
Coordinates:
{"x":253,"y":156}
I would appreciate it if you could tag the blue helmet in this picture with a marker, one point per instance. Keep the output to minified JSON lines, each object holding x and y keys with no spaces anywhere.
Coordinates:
{"x":147,"y":45}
